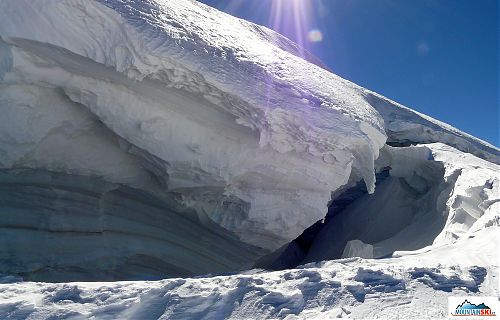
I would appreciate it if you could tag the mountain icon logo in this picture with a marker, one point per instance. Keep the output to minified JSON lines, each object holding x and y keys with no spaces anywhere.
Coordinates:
{"x":467,"y":308}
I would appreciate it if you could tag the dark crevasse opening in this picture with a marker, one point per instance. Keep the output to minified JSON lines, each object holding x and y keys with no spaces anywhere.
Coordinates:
{"x":405,"y":143}
{"x":296,"y":251}
{"x":406,"y":212}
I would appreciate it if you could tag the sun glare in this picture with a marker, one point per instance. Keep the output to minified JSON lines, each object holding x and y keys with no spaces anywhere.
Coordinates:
{"x":298,"y":20}
{"x":295,"y":18}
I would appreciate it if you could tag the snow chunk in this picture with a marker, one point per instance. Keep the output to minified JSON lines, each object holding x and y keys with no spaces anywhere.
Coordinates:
{"x":357,"y":248}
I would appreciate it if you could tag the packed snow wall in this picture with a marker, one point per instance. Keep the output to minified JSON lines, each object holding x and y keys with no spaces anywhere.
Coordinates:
{"x":182,"y":139}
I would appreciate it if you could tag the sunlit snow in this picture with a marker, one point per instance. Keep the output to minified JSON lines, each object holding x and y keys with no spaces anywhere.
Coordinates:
{"x":193,"y":153}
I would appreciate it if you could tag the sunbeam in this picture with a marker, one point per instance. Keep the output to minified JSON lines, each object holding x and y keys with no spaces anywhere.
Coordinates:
{"x":296,"y":19}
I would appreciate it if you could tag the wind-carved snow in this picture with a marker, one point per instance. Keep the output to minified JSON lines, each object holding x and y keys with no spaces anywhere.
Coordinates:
{"x":427,"y":198}
{"x":433,"y":197}
{"x":347,"y":288}
{"x":150,"y":139}
{"x":243,"y":139}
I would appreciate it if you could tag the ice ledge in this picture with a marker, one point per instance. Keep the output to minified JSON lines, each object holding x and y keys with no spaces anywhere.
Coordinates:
{"x":248,"y":139}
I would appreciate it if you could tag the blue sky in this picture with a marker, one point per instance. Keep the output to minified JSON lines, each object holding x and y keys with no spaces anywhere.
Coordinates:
{"x":439,"y":57}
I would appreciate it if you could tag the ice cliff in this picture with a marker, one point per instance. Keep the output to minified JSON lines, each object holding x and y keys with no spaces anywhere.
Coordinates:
{"x":147,"y":139}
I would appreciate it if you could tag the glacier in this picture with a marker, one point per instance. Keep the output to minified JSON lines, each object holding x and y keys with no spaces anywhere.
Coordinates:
{"x":144,"y":140}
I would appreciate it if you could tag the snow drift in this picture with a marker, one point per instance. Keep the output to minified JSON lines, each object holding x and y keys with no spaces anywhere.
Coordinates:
{"x":150,"y":139}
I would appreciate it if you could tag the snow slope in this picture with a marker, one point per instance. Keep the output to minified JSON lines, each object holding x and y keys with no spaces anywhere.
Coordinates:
{"x":141,"y":140}
{"x":404,"y":126}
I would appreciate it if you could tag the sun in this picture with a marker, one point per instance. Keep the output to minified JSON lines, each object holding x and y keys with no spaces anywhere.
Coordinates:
{"x":290,"y":17}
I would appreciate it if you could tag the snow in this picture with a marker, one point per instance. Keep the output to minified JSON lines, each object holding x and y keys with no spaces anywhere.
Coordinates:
{"x":144,"y":140}
{"x":405,"y":126}
{"x":357,"y":248}
{"x":258,"y":157}
{"x":353,"y":288}
{"x":434,"y":196}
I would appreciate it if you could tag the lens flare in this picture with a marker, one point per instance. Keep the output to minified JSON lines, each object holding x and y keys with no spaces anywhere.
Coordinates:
{"x":315,"y":35}
{"x":292,"y":18}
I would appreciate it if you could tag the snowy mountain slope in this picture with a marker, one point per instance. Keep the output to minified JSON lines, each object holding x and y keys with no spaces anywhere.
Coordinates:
{"x":149,"y":139}
{"x":405,"y":126}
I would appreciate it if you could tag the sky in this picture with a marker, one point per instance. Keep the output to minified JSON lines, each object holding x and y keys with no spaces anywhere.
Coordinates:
{"x":439,"y":57}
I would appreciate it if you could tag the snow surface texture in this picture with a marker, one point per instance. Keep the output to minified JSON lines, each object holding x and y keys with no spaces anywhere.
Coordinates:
{"x":150,"y":139}
{"x":348,"y":288}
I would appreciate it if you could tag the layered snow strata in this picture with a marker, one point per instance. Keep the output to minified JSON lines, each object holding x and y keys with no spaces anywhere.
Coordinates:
{"x":62,"y":227}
